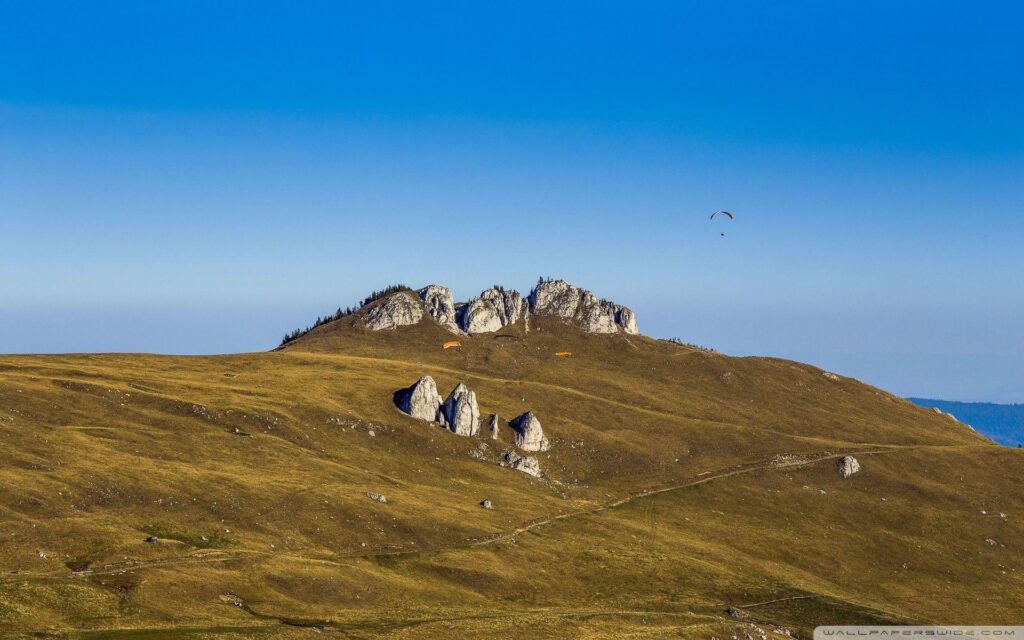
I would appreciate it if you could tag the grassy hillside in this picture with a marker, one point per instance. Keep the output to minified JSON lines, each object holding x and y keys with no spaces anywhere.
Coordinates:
{"x":680,"y":484}
{"x":1004,"y":423}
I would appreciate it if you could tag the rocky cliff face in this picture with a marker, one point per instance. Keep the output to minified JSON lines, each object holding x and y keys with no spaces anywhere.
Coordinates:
{"x":396,"y":310}
{"x":497,"y":308}
{"x":440,"y":306}
{"x":561,"y":299}
{"x":492,"y":310}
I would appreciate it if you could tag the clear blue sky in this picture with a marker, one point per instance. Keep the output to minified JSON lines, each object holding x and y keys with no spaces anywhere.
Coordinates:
{"x":198,"y":177}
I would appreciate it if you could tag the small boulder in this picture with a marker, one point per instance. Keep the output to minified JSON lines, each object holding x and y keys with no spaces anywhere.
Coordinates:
{"x":493,"y":426}
{"x":486,"y":504}
{"x":421,"y":400}
{"x":527,"y":464}
{"x":462,"y":412}
{"x":152,"y":539}
{"x":529,"y":434}
{"x":379,"y":497}
{"x":848,"y":466}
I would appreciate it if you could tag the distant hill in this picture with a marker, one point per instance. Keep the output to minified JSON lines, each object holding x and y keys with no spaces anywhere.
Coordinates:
{"x":1004,"y":423}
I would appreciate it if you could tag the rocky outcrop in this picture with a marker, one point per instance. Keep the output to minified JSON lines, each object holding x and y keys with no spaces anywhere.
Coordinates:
{"x":493,"y":427}
{"x":848,"y":466}
{"x":497,"y":308}
{"x":529,"y":434}
{"x":396,"y":310}
{"x":561,"y":299}
{"x":421,"y":400}
{"x":462,"y":415}
{"x":440,"y":306}
{"x":526,"y":464}
{"x":492,"y":310}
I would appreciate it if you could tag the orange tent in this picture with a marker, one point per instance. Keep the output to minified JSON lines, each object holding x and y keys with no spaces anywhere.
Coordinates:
{"x":450,"y":344}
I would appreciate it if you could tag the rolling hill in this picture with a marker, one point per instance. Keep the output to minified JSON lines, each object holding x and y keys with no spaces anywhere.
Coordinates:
{"x":685,"y":493}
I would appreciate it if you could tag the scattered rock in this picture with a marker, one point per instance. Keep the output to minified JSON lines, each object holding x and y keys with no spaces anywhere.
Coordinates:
{"x":990,"y":542}
{"x":527,"y":464}
{"x":462,"y":412}
{"x":529,"y":434}
{"x":493,"y":426}
{"x":397,"y":310}
{"x":739,"y":614}
{"x":486,"y":504}
{"x":848,"y":466}
{"x":152,"y":539}
{"x":421,"y":400}
{"x":379,"y":497}
{"x":440,"y":306}
{"x":830,"y":375}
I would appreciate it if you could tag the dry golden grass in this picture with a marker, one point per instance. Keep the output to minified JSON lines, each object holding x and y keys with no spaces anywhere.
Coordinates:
{"x":662,"y":504}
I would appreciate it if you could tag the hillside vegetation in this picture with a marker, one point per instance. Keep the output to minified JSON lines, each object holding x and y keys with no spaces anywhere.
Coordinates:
{"x":686,"y":494}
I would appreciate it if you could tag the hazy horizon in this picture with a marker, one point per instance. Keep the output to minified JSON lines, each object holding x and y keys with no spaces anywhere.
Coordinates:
{"x":202,"y":179}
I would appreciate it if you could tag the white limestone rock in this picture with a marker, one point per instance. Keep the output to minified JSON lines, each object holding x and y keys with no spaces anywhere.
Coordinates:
{"x":492,"y":310}
{"x":527,"y":464}
{"x":397,"y":310}
{"x":493,"y":427}
{"x":421,"y":400}
{"x":440,"y":306}
{"x":561,"y":299}
{"x":461,"y":411}
{"x":848,"y":466}
{"x":529,"y":434}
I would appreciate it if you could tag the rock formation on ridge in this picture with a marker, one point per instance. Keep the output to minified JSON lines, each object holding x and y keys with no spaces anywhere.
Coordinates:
{"x":397,"y":310}
{"x":492,"y":310}
{"x":497,"y":308}
{"x":440,"y":306}
{"x":559,"y":298}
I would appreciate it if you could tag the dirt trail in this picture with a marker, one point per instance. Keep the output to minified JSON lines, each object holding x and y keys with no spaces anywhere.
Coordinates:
{"x":218,"y":556}
{"x":705,"y":478}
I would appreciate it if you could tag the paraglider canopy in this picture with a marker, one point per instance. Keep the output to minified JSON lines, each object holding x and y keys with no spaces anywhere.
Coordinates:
{"x":563,"y":354}
{"x":723,"y":212}
{"x":450,"y":344}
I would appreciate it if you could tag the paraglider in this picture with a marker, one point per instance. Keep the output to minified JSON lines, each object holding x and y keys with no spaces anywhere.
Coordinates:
{"x":724,"y":213}
{"x":563,"y":354}
{"x":450,"y":344}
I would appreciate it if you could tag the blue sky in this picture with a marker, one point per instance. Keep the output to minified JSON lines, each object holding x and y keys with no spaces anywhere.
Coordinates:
{"x":202,"y":177}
